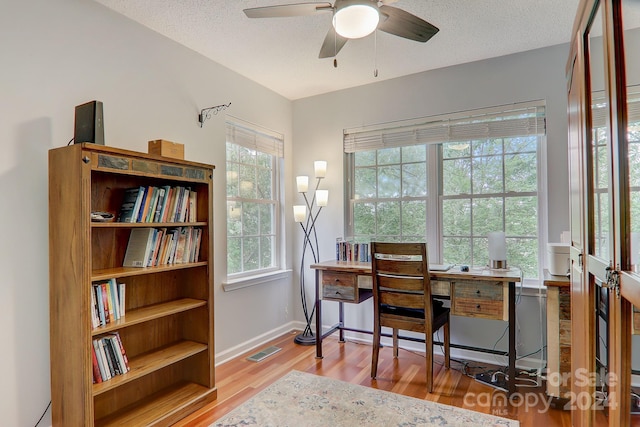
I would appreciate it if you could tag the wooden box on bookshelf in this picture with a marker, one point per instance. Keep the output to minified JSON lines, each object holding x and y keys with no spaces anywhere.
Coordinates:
{"x":168,"y":327}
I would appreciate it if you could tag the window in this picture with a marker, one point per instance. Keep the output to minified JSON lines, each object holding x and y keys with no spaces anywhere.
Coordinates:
{"x":450,"y":181}
{"x":253,"y":161}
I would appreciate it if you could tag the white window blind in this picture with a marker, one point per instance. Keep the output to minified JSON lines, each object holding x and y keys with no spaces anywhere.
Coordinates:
{"x":254,"y":138}
{"x":599,"y":112}
{"x":499,"y":122}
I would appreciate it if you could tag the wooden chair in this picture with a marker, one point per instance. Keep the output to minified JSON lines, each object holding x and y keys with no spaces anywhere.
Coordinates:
{"x":402,"y":299}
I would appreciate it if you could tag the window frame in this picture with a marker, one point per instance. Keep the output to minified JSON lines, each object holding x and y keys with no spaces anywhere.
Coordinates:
{"x":374,"y":138}
{"x":257,"y":139}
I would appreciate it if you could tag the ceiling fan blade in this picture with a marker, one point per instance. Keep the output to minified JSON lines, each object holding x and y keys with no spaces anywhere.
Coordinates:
{"x":288,"y":10}
{"x":332,"y":44}
{"x":404,"y":24}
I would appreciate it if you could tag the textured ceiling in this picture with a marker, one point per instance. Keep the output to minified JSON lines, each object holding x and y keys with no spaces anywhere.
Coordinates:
{"x":282,"y":53}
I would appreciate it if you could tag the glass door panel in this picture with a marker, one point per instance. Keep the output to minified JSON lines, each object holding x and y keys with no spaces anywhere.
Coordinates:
{"x":631,"y":278}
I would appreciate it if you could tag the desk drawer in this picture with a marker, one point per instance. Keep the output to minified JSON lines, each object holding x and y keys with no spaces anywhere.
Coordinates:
{"x":339,"y":286}
{"x":479,"y":299}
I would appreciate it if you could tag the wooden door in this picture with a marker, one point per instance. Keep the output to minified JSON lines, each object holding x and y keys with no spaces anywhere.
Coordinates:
{"x":582,"y":353}
{"x":601,"y":216}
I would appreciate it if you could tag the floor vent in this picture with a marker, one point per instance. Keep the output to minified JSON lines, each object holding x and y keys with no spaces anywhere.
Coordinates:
{"x":261,"y":355}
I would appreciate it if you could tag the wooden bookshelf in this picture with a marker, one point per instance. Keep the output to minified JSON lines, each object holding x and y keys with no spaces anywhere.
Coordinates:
{"x":167,"y":330}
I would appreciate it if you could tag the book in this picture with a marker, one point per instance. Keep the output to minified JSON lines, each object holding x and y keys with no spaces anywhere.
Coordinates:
{"x":184,"y":205}
{"x":121,"y":294}
{"x":165,"y":202}
{"x":157,"y":245}
{"x":193,"y":206}
{"x":175,"y":209}
{"x":120,"y":353}
{"x":143,"y":202}
{"x":118,"y":360}
{"x":128,"y":206}
{"x":97,"y":376}
{"x":196,"y":257}
{"x":108,"y":316}
{"x":138,"y":247}
{"x":158,"y":207}
{"x":97,"y":289}
{"x":115,"y":300}
{"x":139,"y":202}
{"x":101,"y":353}
{"x":151,"y":210}
{"x":171,"y":250}
{"x":152,"y":245}
{"x":163,"y":248}
{"x":180,"y":246}
{"x":100,"y":360}
{"x":95,"y":319}
{"x":109,"y":356}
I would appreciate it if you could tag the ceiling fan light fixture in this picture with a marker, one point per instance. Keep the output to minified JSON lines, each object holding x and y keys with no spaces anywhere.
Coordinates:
{"x":355,"y":19}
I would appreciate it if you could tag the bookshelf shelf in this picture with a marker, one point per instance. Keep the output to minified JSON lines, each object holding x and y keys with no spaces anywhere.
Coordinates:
{"x":151,"y":362}
{"x":121,"y":272}
{"x":167,"y":330}
{"x":146,"y":224}
{"x":151,"y":312}
{"x":167,"y":403}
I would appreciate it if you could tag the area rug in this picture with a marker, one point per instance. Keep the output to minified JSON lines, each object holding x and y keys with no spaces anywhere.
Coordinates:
{"x":303,"y":400}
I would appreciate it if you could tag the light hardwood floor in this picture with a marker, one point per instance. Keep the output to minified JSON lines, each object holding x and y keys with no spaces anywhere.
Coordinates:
{"x":240,"y":379}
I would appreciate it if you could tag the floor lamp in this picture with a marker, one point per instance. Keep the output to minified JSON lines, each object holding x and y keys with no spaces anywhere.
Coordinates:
{"x":306,"y":215}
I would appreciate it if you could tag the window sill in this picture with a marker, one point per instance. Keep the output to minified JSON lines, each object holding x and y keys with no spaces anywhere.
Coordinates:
{"x":245,"y":282}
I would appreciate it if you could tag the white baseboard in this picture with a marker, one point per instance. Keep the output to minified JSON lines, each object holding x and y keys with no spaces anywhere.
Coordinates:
{"x":475,"y":356}
{"x":225,"y":356}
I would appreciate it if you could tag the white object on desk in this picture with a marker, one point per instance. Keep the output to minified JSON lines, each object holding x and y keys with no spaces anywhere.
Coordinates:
{"x":497,"y":249}
{"x":558,"y":254}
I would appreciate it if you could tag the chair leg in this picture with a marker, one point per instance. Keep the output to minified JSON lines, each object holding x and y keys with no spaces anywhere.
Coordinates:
{"x":429,"y":361}
{"x":447,"y":351}
{"x":376,"y":351}
{"x":395,"y":343}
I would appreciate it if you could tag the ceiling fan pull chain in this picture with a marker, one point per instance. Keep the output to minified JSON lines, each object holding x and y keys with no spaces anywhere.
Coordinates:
{"x":375,"y":54}
{"x":335,"y":46}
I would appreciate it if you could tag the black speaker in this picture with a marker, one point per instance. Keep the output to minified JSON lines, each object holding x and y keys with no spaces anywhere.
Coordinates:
{"x":89,"y":124}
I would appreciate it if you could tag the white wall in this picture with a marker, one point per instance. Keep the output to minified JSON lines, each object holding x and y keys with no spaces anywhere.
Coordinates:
{"x":319,"y":122}
{"x":56,"y":55}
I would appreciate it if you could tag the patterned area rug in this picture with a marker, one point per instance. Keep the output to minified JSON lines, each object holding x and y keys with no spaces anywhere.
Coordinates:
{"x":303,"y":400}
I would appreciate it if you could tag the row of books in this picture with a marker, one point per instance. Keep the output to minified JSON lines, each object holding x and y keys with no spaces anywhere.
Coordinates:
{"x":150,"y":247}
{"x":107,"y":301}
{"x":158,"y":204}
{"x":351,"y":251}
{"x":109,"y":358}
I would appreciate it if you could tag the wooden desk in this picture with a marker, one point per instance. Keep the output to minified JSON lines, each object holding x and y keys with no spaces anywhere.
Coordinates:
{"x":481,"y":293}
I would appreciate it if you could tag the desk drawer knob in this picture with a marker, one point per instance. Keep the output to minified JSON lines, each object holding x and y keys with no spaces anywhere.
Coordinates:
{"x":478,"y":306}
{"x":478,"y":292}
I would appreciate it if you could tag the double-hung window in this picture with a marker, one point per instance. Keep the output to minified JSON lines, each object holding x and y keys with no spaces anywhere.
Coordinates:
{"x":450,"y":180}
{"x":253,"y":162}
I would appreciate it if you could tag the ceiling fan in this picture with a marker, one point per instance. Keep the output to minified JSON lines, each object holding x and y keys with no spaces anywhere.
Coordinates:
{"x":353,"y":19}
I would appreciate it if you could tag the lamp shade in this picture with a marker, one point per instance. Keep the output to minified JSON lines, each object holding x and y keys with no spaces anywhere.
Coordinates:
{"x":320,"y":168}
{"x":497,"y":249}
{"x":302,"y":183}
{"x":322,"y":197}
{"x":299,"y":213}
{"x":355,"y":19}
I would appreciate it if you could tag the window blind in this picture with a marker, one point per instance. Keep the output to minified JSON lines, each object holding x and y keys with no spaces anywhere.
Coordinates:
{"x":498,"y":122}
{"x":599,"y":113}
{"x":255,"y":138}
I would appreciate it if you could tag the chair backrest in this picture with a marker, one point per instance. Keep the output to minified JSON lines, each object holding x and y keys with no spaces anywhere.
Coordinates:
{"x":400,"y":275}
